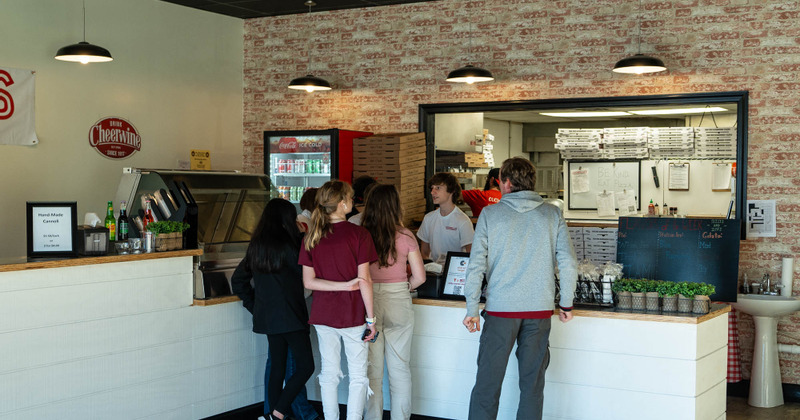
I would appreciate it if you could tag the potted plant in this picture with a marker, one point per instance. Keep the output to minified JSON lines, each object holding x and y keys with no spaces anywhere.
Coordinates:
{"x":168,"y":234}
{"x":651,"y":294}
{"x":686,"y":292}
{"x":702,"y":301}
{"x":668,"y":290}
{"x":638,"y":289}
{"x":622,"y":288}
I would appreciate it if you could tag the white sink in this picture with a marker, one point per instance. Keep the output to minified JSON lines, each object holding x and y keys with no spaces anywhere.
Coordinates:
{"x":766,"y":305}
{"x":765,"y":378}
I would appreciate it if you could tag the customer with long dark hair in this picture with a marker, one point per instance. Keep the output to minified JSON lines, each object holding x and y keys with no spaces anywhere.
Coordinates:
{"x":276,"y":301}
{"x":335,"y":258}
{"x":394,"y":314}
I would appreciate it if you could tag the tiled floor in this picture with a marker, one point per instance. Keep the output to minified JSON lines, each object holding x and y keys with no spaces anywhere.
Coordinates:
{"x":739,"y":410}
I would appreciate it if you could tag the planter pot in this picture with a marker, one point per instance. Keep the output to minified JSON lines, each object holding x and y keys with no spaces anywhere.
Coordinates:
{"x":670,"y":303}
{"x":702,"y":304}
{"x":651,"y":301}
{"x":685,"y":304}
{"x":169,"y":241}
{"x":638,"y":301}
{"x":624,"y":300}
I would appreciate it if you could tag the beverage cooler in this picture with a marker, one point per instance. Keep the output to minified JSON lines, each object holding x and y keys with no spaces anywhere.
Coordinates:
{"x":221,"y":207}
{"x":302,"y":159}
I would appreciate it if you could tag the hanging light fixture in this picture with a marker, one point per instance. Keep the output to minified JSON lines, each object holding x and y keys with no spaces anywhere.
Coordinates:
{"x":83,"y":52}
{"x":309,"y":82}
{"x":470,"y":74}
{"x":639,"y":63}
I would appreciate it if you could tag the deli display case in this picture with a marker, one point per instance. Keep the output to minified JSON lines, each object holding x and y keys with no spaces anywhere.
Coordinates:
{"x":222,"y":209}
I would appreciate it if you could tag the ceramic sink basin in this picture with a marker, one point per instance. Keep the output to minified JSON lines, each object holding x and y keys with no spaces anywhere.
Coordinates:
{"x":766,"y":305}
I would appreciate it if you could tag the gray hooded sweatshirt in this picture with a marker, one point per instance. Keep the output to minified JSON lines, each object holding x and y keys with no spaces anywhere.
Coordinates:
{"x":518,"y":244}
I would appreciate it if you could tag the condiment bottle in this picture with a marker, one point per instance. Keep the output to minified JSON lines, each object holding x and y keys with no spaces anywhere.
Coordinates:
{"x":122,"y":222}
{"x":656,"y":211}
{"x":651,"y":209}
{"x":148,"y":216}
{"x":111,"y":223}
{"x":665,"y":210}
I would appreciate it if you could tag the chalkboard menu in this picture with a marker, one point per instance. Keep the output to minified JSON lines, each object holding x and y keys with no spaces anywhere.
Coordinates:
{"x":676,"y":249}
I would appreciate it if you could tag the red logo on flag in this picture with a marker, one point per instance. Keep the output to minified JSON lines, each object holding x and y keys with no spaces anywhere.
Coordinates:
{"x":114,"y":138}
{"x":6,"y":101}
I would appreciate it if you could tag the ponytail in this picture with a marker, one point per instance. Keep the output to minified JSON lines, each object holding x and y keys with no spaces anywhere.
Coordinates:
{"x":329,"y":195}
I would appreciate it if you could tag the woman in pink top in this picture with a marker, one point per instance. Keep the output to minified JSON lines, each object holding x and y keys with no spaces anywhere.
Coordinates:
{"x":394,"y":315}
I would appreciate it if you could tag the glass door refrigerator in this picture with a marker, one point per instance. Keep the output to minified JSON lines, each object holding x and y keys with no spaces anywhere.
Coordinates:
{"x":301,"y":159}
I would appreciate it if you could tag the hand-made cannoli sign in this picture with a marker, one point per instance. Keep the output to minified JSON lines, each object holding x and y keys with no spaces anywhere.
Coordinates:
{"x":114,"y":138}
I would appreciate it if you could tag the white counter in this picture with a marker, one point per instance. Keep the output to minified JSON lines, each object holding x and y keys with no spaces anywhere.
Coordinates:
{"x":604,"y":365}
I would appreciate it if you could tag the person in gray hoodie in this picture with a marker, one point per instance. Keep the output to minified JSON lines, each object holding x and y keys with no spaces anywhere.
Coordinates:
{"x":518,"y":244}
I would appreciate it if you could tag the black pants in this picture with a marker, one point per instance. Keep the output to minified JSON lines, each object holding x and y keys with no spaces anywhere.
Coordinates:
{"x":280,"y":395}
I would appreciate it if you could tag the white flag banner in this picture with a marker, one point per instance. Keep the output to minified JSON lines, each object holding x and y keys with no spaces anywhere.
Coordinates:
{"x":17,"y":122}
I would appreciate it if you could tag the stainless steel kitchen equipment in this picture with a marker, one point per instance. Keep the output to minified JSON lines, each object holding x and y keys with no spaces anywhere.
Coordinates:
{"x":222,"y":208}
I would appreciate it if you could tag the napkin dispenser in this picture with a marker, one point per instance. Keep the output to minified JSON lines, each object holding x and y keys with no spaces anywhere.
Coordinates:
{"x":93,"y":240}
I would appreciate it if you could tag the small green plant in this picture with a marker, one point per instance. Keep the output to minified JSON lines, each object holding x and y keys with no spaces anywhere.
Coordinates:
{"x":620,"y":285}
{"x":688,"y":289}
{"x":167,"y":226}
{"x":652,"y":285}
{"x":639,"y":285}
{"x":705,"y":289}
{"x":667,"y":288}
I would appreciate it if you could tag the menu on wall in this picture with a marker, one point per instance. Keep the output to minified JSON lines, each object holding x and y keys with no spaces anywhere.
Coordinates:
{"x":677,"y":249}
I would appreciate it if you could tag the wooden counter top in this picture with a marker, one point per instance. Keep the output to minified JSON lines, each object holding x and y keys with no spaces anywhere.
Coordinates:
{"x":675,"y":317}
{"x":73,"y":262}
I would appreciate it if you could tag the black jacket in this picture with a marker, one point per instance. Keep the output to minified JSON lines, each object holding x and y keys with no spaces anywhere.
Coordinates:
{"x":276,"y":302}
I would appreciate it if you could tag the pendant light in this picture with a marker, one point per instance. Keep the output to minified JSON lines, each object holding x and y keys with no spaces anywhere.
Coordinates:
{"x":470,"y":74}
{"x":639,"y":63}
{"x":83,"y":52}
{"x":309,"y":82}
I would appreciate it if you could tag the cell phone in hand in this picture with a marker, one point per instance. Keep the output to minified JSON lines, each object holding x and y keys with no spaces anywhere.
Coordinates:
{"x":366,"y":334}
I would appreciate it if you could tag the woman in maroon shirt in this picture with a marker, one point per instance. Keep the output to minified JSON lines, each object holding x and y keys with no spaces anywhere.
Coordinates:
{"x":335,"y":259}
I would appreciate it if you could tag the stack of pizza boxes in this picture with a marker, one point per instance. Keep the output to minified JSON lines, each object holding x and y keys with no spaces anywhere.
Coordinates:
{"x":397,"y":159}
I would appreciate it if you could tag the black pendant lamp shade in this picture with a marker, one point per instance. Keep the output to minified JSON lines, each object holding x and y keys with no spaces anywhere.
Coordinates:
{"x":639,"y":64}
{"x":83,"y":52}
{"x":469,"y":74}
{"x":309,"y":83}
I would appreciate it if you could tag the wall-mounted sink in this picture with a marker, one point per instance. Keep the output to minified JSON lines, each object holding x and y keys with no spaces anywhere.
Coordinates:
{"x":765,"y":378}
{"x":766,"y":305}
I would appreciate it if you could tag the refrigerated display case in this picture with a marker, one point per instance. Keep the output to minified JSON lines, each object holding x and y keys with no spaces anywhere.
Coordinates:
{"x":301,"y":159}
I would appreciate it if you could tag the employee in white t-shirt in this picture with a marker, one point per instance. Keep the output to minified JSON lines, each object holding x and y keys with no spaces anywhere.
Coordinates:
{"x":446,"y":228}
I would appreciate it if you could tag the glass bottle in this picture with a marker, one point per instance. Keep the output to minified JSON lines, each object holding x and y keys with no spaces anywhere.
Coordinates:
{"x":111,"y":223}
{"x":122,"y":222}
{"x":148,"y":216}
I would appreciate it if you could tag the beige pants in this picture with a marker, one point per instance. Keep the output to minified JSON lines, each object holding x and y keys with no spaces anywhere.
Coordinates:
{"x":330,"y":351}
{"x":395,"y":321}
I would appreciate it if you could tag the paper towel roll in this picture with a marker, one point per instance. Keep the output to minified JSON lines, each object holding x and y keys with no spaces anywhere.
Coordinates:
{"x":787,"y":272}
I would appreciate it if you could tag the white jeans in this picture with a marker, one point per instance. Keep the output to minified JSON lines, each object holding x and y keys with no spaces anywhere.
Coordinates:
{"x":395,"y":321}
{"x":330,"y":351}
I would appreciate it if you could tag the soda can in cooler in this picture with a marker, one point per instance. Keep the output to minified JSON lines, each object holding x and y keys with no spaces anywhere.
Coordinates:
{"x":299,"y":166}
{"x":297,"y":193}
{"x":326,"y":167}
{"x":318,"y":166}
{"x":281,"y":166}
{"x":309,"y":166}
{"x":289,"y":166}
{"x":282,"y":190}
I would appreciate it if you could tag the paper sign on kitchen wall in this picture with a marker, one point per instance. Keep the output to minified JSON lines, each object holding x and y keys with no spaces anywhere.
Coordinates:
{"x":17,"y":122}
{"x":201,"y":160}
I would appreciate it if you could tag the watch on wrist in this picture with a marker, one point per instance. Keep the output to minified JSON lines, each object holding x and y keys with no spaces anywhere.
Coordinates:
{"x":370,"y":320}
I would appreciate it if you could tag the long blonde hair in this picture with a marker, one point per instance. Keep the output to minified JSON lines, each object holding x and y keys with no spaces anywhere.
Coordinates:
{"x":329,"y":195}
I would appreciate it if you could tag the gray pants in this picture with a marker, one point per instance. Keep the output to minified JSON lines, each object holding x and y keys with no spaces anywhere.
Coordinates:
{"x":533,"y":355}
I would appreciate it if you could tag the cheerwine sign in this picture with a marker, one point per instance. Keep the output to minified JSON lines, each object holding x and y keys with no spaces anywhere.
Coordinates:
{"x":114,"y":138}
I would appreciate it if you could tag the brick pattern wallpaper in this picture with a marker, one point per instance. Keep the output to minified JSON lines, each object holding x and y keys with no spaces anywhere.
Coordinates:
{"x":385,"y":61}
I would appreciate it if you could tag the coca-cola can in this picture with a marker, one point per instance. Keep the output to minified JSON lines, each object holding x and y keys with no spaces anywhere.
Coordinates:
{"x":281,"y":166}
{"x":289,"y":166}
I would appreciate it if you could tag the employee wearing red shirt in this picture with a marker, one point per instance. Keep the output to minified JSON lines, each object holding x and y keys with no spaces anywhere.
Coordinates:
{"x":477,"y":199}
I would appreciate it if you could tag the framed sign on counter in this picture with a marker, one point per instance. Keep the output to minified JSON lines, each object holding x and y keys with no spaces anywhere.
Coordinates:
{"x":455,"y":274}
{"x":52,"y":229}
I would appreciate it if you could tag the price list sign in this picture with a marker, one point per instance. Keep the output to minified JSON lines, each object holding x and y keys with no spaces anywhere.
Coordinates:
{"x":52,"y":229}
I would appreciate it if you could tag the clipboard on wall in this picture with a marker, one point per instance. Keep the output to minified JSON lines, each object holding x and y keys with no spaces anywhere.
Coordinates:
{"x":678,"y":176}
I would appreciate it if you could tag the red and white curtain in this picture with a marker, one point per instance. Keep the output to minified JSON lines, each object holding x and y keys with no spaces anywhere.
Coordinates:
{"x":17,"y":122}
